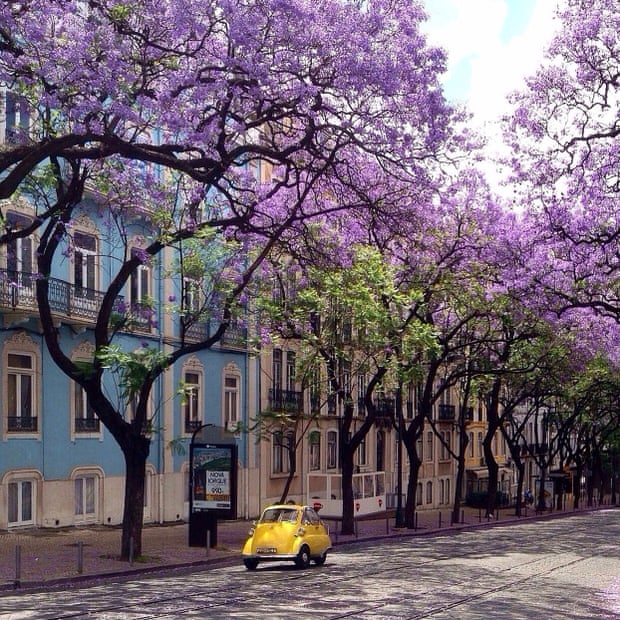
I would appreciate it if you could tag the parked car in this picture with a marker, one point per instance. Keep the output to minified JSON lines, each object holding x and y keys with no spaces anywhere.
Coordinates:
{"x":287,"y":532}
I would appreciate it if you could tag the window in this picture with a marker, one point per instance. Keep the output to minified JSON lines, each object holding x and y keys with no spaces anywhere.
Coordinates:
{"x":277,"y":465}
{"x":85,"y":495}
{"x":191,"y":296}
{"x":276,"y":370}
{"x":361,"y":452}
{"x":429,"y":492}
{"x":231,"y":401}
{"x":380,"y":451}
{"x":315,"y":392}
{"x":282,"y":451}
{"x":191,"y":407}
{"x":84,"y":269}
{"x":21,"y":508}
{"x":315,"y":450}
{"x":361,"y":392}
{"x":290,"y":371}
{"x":20,"y":393}
{"x":332,"y":449}
{"x":19,"y":262}
{"x":16,"y":118}
{"x":446,"y":437}
{"x":429,"y":446}
{"x":470,"y":445}
{"x":418,"y":495}
{"x":139,"y":292}
{"x":85,"y":420}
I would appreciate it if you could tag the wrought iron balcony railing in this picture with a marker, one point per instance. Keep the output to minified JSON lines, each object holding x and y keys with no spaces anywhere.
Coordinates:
{"x":446,"y":412}
{"x":285,"y":400}
{"x":234,"y":335}
{"x":87,"y":425}
{"x":22,"y":424}
{"x":18,"y":292}
{"x":192,"y":425}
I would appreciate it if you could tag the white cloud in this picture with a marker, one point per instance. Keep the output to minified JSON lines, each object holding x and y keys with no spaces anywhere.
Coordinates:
{"x":484,"y":66}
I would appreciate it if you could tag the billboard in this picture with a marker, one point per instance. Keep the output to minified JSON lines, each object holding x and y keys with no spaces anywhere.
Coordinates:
{"x":213,"y":480}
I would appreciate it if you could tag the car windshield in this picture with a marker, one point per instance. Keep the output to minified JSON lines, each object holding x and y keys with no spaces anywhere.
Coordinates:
{"x":272,"y":515}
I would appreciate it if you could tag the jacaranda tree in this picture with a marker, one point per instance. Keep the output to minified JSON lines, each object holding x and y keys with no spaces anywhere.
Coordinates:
{"x":222,"y":123}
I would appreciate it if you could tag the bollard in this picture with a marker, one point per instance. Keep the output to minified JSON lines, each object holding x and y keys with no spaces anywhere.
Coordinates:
{"x":387,"y":523}
{"x":415,"y":525}
{"x":131,"y":551}
{"x":80,"y":557}
{"x":18,"y":565}
{"x":208,"y":542}
{"x":462,"y":516}
{"x":355,"y":527}
{"x":440,"y":520}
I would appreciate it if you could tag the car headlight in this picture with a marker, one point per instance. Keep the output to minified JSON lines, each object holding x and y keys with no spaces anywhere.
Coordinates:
{"x":300,"y":532}
{"x":251,"y":532}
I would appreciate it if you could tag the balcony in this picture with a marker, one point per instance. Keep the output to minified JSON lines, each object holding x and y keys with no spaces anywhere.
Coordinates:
{"x":86,"y":425}
{"x":22,"y":424}
{"x":191,"y":426}
{"x":446,"y":412}
{"x":18,"y":293}
{"x":385,"y":408}
{"x":285,"y":400}
{"x":234,"y":336}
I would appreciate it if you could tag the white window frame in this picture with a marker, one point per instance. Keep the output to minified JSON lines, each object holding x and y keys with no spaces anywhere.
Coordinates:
{"x":192,"y":410}
{"x":21,"y":344}
{"x":332,"y":449}
{"x":314,"y":451}
{"x":85,"y":491}
{"x":231,"y":396}
{"x":18,"y":484}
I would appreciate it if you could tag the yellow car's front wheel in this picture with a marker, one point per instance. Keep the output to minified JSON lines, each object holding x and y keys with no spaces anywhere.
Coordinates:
{"x":303,"y":557}
{"x":250,"y":563}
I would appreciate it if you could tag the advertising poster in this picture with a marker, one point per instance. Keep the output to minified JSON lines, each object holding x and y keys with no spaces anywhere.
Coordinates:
{"x":212,"y":466}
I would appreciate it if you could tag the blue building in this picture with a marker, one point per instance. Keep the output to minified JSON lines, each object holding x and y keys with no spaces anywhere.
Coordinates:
{"x":59,"y":465}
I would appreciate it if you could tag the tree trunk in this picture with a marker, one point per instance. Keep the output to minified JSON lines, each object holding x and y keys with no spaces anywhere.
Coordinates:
{"x":348,"y":509}
{"x":520,"y":475}
{"x":541,"y":504}
{"x":577,"y":484}
{"x":292,"y":471}
{"x":493,"y":477}
{"x":458,"y":491}
{"x":136,"y":453}
{"x":412,"y":482}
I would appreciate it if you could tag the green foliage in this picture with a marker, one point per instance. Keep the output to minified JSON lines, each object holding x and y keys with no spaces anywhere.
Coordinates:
{"x":132,"y":367}
{"x":364,"y":311}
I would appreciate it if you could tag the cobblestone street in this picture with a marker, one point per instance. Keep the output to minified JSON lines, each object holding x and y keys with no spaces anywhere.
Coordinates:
{"x":567,"y":567}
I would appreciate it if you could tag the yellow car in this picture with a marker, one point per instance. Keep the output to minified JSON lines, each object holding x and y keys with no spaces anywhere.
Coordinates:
{"x":287,"y":532}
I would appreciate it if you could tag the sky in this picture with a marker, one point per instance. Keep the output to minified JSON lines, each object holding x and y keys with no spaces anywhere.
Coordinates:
{"x":492,"y":45}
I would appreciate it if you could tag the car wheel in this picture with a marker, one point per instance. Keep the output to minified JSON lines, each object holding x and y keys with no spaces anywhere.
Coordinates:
{"x":321,"y":559}
{"x":303,"y":557}
{"x":251,"y":563}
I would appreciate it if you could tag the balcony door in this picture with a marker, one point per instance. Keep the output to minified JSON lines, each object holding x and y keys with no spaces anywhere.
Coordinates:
{"x":85,"y":272}
{"x":19,"y":264}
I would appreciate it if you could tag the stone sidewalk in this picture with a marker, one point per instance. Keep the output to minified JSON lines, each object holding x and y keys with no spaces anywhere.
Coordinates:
{"x":46,"y":558}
